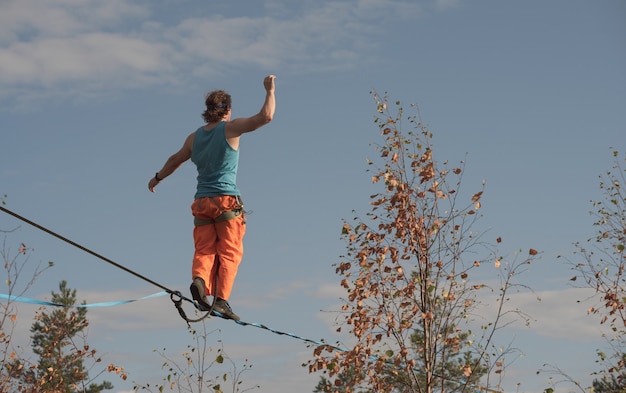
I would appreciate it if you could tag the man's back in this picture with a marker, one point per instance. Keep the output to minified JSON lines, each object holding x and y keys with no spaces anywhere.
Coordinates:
{"x":216,"y":162}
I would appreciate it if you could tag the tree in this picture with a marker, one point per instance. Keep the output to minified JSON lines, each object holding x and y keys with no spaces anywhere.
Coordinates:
{"x":601,"y":266}
{"x":452,"y":371}
{"x":610,"y":383}
{"x":197,"y":372}
{"x":58,"y":339}
{"x":343,"y":382}
{"x":15,"y":264}
{"x":55,"y":333}
{"x":411,"y":308}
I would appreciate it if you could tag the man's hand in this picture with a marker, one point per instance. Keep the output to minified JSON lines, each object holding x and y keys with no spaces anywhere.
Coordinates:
{"x":152,"y":183}
{"x":269,"y":83}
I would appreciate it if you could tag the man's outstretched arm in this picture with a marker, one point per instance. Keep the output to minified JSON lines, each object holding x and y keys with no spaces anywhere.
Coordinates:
{"x":173,"y":163}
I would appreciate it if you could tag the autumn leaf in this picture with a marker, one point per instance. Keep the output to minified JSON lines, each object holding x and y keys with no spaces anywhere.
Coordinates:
{"x":532,"y":251}
{"x":467,"y":370}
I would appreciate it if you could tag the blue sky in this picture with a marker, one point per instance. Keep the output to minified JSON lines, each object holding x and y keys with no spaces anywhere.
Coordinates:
{"x":95,"y":95}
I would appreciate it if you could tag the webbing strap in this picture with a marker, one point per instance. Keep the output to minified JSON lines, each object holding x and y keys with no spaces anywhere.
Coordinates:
{"x":21,"y":299}
{"x":225,"y":216}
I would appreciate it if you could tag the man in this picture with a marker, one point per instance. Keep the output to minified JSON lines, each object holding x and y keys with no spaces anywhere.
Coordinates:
{"x":217,"y":208}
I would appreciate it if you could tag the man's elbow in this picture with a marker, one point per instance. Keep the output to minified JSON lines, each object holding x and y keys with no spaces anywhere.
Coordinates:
{"x":262,"y":119}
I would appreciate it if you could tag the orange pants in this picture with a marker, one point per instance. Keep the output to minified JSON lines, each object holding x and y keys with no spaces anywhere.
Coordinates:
{"x":218,"y":246}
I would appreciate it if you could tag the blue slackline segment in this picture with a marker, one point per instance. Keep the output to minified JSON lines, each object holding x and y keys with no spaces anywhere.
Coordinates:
{"x":103,"y":304}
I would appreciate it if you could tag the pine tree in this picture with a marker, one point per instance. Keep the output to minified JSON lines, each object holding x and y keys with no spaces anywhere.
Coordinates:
{"x":58,"y":339}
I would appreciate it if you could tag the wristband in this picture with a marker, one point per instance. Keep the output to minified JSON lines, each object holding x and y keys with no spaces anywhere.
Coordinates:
{"x":156,"y":176}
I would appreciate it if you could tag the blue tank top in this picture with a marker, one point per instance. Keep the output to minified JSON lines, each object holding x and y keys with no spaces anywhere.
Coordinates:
{"x":216,"y":162}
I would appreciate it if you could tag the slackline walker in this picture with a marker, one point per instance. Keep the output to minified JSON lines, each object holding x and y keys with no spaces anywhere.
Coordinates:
{"x":217,"y":208}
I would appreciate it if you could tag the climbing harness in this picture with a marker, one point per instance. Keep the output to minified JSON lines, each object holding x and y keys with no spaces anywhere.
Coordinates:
{"x":225,"y":215}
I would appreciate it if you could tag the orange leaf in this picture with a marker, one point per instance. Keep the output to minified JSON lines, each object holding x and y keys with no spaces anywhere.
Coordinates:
{"x":467,"y":370}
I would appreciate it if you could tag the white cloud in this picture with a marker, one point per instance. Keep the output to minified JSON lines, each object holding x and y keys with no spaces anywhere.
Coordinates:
{"x":330,"y":290}
{"x":112,"y":44}
{"x":96,"y":55}
{"x":561,"y":314}
{"x":28,"y":19}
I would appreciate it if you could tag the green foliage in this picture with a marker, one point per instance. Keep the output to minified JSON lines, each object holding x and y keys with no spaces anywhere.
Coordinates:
{"x":58,"y":337}
{"x":199,"y":369}
{"x":54,"y":340}
{"x":611,"y":383}
{"x":59,"y":341}
{"x":342,"y":382}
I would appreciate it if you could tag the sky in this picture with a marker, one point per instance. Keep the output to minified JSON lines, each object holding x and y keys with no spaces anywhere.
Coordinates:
{"x":96,"y":94}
